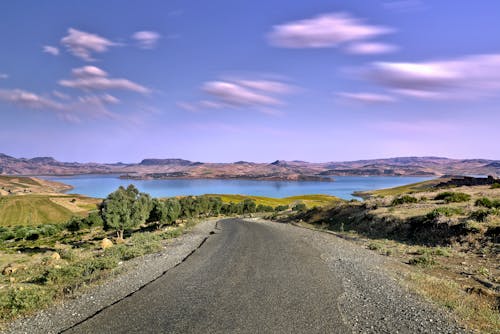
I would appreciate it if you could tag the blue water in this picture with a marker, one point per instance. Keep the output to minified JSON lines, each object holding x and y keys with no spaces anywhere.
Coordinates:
{"x":343,"y":186}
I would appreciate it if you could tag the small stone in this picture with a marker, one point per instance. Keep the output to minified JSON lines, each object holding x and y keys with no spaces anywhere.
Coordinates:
{"x":9,"y":270}
{"x":55,"y":256}
{"x":106,"y":243}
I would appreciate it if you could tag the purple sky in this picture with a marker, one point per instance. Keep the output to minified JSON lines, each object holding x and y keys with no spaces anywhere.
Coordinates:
{"x":224,"y":80}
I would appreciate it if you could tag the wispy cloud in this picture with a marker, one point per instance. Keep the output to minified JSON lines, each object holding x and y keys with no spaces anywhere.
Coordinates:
{"x":4,"y":76}
{"x":240,"y":93}
{"x":366,"y":98}
{"x":51,"y":50}
{"x":368,"y":48}
{"x":61,"y":95}
{"x":470,"y":77}
{"x":146,"y":39}
{"x":90,"y":78}
{"x":404,"y":5}
{"x":83,"y":44}
{"x":68,"y":109}
{"x":27,"y":99}
{"x":326,"y":31}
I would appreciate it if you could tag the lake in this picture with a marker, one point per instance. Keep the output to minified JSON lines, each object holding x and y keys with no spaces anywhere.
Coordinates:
{"x":343,"y":186}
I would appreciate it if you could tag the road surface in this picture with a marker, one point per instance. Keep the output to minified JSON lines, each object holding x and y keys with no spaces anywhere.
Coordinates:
{"x":250,"y":277}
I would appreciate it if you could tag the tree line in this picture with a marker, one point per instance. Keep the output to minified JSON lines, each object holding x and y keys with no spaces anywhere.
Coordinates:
{"x":128,"y":208}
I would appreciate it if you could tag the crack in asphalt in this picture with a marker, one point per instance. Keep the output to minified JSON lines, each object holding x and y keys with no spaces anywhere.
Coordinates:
{"x":141,"y":287}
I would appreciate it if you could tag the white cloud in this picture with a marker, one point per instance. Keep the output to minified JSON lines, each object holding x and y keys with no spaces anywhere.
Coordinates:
{"x":93,"y":78}
{"x":368,"y":48}
{"x":266,"y":86}
{"x":83,"y":44}
{"x":323,"y":31}
{"x":237,"y":95}
{"x":3,"y":76}
{"x":69,"y":109}
{"x":146,"y":39}
{"x":468,"y":77}
{"x":27,"y":99}
{"x":51,"y":50}
{"x":240,"y":93}
{"x":61,"y":96}
{"x":367,"y":98}
{"x":89,"y":71}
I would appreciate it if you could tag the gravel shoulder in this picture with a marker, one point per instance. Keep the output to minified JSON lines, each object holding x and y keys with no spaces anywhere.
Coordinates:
{"x":132,"y":276}
{"x":373,"y":300}
{"x":369,"y":299}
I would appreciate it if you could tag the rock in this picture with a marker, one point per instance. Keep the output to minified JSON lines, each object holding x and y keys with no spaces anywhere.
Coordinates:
{"x":9,"y":270}
{"x":106,"y":243}
{"x":55,"y":256}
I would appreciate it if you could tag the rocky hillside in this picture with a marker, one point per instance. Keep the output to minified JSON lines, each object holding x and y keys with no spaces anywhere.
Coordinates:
{"x":277,"y":170}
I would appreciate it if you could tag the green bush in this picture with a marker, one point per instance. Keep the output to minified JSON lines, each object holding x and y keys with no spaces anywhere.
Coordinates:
{"x":404,"y":200}
{"x":19,"y":300}
{"x":495,"y":186}
{"x":452,"y":197}
{"x":264,"y":208}
{"x":487,"y":203}
{"x":299,"y":207}
{"x":479,"y":215}
{"x":423,"y":261}
{"x":444,"y":211}
{"x":280,"y":208}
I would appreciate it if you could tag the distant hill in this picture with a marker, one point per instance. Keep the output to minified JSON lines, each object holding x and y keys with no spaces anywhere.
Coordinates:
{"x":296,"y":170}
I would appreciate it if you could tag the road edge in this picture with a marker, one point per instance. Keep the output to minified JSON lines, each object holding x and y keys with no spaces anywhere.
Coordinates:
{"x":134,"y":276}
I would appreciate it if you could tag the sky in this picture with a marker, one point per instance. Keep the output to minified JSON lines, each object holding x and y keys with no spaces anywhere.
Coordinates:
{"x":227,"y":80}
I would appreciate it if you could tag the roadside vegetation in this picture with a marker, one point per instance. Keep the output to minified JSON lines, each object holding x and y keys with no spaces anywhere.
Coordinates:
{"x":449,"y":240}
{"x":54,"y":246}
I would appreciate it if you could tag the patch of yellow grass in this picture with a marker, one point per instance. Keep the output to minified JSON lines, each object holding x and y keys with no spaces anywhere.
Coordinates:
{"x":473,"y":310}
{"x":308,"y":200}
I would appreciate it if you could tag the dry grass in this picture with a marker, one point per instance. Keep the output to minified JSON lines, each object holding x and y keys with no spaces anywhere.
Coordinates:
{"x":309,"y":200}
{"x":475,"y":310}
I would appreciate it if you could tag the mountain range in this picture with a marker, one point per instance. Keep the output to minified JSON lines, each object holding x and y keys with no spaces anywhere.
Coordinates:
{"x":278,"y":170}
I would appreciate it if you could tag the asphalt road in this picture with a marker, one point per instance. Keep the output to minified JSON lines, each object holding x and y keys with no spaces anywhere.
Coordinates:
{"x":246,"y":278}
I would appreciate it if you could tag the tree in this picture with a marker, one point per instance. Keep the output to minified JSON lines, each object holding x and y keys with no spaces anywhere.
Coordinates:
{"x":249,"y":205}
{"x":125,"y":209}
{"x":174,"y":209}
{"x":159,"y":213}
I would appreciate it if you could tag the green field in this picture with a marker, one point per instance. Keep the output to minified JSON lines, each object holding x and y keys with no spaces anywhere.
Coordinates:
{"x":41,"y":209}
{"x":308,"y":200}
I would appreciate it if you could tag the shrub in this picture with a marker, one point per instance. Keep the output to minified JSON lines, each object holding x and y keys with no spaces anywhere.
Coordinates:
{"x":18,"y":300}
{"x":374,"y":246}
{"x":423,"y":261}
{"x":452,"y":197}
{"x":404,"y":200}
{"x":264,"y":208}
{"x":172,"y":233}
{"x":280,"y":208}
{"x":6,"y":233}
{"x":479,"y":215}
{"x":299,"y":207}
{"x":76,"y":224}
{"x":495,"y":186}
{"x":444,"y":211}
{"x":487,"y":203}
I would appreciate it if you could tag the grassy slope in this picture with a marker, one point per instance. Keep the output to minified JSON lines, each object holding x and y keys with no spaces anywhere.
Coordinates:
{"x":309,"y":200}
{"x":41,"y":209}
{"x":406,"y":189}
